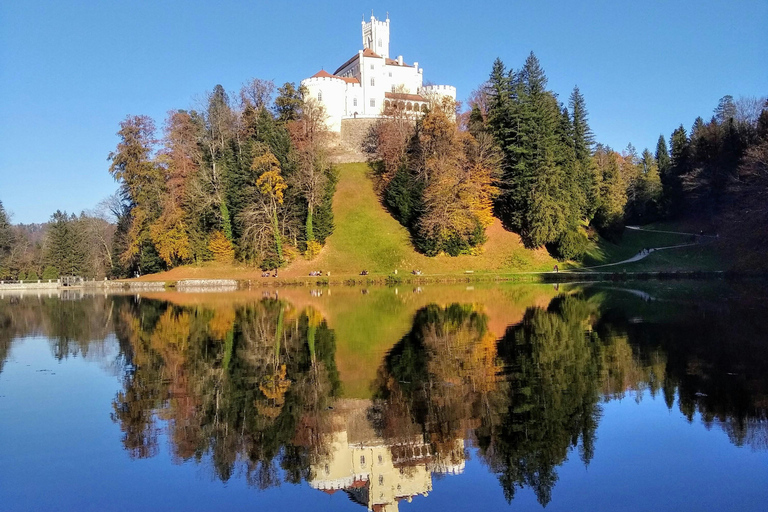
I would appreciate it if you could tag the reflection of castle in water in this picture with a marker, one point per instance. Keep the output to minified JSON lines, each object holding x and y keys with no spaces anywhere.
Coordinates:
{"x":375,"y":472}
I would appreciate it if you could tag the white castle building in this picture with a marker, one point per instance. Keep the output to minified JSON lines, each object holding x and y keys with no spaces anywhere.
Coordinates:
{"x":370,"y":82}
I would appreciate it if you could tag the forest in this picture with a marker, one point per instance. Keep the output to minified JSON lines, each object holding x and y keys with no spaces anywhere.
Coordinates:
{"x":247,"y":178}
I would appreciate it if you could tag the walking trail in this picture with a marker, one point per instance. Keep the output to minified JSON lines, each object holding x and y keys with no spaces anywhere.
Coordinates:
{"x":646,"y":252}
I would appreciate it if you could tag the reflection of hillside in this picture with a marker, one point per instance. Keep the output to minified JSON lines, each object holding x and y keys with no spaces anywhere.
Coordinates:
{"x":375,"y":472}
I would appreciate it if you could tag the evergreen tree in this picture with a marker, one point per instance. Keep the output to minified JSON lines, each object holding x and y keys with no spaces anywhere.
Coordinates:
{"x":141,"y":183}
{"x":584,"y":141}
{"x":662,"y":156}
{"x":6,"y":240}
{"x":679,"y":166}
{"x":725,"y":110}
{"x":533,"y":185}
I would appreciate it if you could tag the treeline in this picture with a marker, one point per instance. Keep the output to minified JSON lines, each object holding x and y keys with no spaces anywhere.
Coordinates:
{"x":66,"y":245}
{"x":525,"y":157}
{"x":247,"y":180}
{"x":518,"y":154}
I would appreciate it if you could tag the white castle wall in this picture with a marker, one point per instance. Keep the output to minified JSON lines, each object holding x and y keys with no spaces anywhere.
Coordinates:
{"x":332,"y":94}
{"x":438,"y":90}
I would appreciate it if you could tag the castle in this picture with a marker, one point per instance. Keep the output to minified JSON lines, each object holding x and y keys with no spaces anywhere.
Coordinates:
{"x":371,"y":82}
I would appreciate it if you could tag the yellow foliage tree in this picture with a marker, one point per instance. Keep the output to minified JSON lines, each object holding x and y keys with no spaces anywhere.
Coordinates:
{"x":221,"y":248}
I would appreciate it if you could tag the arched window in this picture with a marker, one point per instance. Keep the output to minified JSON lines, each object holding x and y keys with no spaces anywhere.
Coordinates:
{"x":320,"y":96}
{"x":409,"y":106}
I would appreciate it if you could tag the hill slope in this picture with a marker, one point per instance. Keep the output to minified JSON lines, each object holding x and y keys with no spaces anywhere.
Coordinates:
{"x":367,"y":237}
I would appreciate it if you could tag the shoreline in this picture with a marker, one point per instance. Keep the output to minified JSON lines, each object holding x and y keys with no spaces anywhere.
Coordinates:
{"x":226,"y":285}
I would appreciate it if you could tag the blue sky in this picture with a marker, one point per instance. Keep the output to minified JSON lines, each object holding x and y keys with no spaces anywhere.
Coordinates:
{"x":71,"y":71}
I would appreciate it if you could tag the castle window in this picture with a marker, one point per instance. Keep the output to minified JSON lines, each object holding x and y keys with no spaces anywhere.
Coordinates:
{"x":373,"y":81}
{"x":379,"y":42}
{"x":373,"y":102}
{"x":320,"y":96}
{"x":371,"y":66}
{"x":390,"y":74}
{"x":381,"y":479}
{"x":354,"y":102}
{"x":362,"y":460}
{"x":393,"y":87}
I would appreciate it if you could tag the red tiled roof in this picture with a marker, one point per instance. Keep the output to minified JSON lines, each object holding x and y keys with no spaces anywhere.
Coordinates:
{"x":324,"y":74}
{"x":404,"y":96}
{"x":370,"y":53}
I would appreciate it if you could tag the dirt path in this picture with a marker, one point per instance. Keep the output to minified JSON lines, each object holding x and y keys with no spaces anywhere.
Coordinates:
{"x":646,"y":252}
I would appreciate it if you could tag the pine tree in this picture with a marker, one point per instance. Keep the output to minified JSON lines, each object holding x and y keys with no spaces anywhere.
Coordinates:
{"x":583,"y":141}
{"x":6,"y":235}
{"x":679,"y":165}
{"x":662,"y":155}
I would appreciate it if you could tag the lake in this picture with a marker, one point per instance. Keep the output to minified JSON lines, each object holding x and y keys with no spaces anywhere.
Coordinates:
{"x":600,"y":396}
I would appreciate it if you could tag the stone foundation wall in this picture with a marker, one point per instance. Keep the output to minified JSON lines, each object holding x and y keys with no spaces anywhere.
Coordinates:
{"x":346,"y":146}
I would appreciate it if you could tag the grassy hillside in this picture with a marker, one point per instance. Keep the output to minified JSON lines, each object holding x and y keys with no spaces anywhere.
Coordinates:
{"x":367,"y":237}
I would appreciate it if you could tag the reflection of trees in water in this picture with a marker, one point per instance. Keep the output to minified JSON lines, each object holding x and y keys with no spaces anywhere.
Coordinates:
{"x":235,"y":386}
{"x":73,"y":327}
{"x":249,"y":389}
{"x":439,"y":380}
{"x":528,"y":397}
{"x":712,"y":358}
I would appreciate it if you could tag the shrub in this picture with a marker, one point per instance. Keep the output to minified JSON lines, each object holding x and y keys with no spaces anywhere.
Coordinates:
{"x":50,"y":272}
{"x":571,"y":245}
{"x":313,"y":249}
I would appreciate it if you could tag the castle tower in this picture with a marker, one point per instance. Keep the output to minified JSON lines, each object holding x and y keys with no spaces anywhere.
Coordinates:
{"x":376,"y":36}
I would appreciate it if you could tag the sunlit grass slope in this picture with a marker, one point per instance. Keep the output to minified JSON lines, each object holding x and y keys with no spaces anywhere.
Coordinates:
{"x":367,"y":237}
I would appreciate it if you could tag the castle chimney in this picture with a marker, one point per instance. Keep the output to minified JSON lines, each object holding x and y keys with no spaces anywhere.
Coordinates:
{"x":400,"y":59}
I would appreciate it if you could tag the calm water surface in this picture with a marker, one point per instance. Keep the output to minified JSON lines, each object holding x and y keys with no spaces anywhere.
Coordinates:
{"x":594,"y":397}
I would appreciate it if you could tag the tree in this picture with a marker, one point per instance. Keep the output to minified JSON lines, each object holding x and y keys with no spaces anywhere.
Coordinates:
{"x":536,"y":197}
{"x":257,"y":93}
{"x":65,"y":248}
{"x":583,"y":142}
{"x":679,"y":166}
{"x":220,"y":123}
{"x":141,"y":184}
{"x":288,"y":102}
{"x":458,"y":172}
{"x":262,"y":227}
{"x":726,"y":109}
{"x":609,"y":217}
{"x":6,"y":240}
{"x":648,"y":197}
{"x":309,"y":135}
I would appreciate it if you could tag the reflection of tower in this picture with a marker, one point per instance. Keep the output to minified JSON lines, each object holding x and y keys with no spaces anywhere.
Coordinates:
{"x":373,"y":473}
{"x":376,"y":36}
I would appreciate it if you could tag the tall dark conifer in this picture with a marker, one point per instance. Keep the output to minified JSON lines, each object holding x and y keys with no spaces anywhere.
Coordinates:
{"x":583,"y":140}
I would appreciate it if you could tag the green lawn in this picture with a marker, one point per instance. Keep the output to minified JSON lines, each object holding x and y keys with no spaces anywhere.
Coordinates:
{"x":367,"y":237}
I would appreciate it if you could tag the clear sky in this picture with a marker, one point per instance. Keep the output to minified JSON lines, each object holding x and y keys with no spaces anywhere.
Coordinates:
{"x":71,"y":71}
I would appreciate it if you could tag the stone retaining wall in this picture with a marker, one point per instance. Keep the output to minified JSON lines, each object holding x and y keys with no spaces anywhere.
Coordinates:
{"x":194,"y":285}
